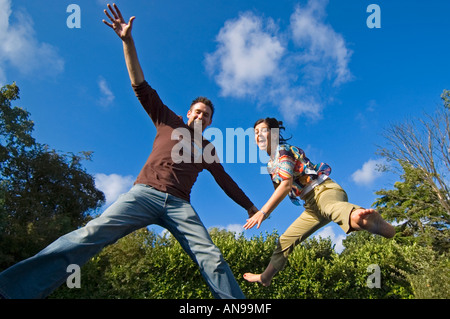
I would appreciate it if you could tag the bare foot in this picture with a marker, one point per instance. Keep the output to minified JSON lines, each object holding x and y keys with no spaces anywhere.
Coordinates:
{"x":371,"y":220}
{"x":255,"y":278}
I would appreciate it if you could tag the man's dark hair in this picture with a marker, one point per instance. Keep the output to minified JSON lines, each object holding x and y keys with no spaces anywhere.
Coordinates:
{"x":204,"y":100}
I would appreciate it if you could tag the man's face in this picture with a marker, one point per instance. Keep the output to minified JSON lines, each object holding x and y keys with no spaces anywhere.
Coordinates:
{"x":199,"y":113}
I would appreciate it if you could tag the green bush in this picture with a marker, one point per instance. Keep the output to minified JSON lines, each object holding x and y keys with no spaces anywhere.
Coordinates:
{"x":145,"y":265}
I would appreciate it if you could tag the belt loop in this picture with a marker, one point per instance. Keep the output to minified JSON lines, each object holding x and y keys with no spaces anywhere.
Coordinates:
{"x":165,"y":200}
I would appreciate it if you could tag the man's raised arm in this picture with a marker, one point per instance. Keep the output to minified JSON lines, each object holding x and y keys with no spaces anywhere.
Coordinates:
{"x":123,"y":30}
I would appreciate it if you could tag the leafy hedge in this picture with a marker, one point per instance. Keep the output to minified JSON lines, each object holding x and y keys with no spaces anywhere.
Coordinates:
{"x":145,"y":265}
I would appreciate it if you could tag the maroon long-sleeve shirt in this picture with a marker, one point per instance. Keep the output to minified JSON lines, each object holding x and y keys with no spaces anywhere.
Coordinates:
{"x":164,"y":169}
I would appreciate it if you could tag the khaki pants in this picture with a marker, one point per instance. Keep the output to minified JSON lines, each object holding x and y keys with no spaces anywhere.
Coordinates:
{"x":326,"y":202}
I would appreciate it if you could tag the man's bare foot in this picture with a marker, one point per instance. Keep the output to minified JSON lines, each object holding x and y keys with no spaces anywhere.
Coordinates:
{"x":255,"y":278}
{"x":371,"y":220}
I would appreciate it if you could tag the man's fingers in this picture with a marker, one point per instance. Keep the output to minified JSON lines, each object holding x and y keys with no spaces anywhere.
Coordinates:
{"x":108,"y":24}
{"x":113,"y":12}
{"x":130,"y":23}
{"x":107,"y":14}
{"x":118,"y":12}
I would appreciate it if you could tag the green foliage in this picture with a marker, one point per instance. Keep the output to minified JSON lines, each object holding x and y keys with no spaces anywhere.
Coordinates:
{"x":145,"y":265}
{"x":43,"y":194}
{"x":428,"y":272}
{"x":445,"y":96}
{"x":414,"y":206}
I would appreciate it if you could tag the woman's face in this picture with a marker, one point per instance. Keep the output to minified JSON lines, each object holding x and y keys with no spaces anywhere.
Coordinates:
{"x":265,"y":137}
{"x":262,"y":135}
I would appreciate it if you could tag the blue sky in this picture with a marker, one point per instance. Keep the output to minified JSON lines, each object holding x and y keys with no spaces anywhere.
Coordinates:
{"x":335,"y":82}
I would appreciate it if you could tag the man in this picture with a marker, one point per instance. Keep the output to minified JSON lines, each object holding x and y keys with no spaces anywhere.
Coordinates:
{"x":160,"y":196}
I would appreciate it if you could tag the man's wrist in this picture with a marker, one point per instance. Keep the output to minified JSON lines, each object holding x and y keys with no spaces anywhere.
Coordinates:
{"x":128,"y":40}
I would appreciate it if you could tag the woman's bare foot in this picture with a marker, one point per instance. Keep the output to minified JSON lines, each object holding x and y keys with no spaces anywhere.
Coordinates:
{"x":255,"y":278}
{"x":371,"y":220}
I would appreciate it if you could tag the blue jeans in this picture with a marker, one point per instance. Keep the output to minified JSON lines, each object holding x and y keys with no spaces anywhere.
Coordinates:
{"x":38,"y":276}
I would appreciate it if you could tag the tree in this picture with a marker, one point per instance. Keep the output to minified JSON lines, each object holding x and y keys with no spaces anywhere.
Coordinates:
{"x":414,"y":206}
{"x":425,"y":145}
{"x":43,"y":194}
{"x":445,"y":96}
{"x":421,"y":203}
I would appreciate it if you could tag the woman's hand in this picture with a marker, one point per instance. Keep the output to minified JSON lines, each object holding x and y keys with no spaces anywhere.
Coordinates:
{"x":278,"y":195}
{"x":256,"y":219}
{"x":252,"y":211}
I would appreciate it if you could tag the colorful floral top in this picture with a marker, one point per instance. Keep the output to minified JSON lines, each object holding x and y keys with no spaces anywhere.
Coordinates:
{"x":291,"y":161}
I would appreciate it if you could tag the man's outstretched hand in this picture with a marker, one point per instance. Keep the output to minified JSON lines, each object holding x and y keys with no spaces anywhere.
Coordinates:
{"x":122,"y":29}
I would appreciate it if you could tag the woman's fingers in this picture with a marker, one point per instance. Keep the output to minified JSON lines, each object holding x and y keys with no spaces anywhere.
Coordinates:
{"x":255,"y":219}
{"x":250,"y":223}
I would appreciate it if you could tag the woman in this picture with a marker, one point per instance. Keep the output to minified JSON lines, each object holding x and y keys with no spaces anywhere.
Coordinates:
{"x":295,"y":175}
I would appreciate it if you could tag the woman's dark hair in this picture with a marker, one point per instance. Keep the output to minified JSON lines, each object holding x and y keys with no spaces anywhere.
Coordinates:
{"x":273,"y":123}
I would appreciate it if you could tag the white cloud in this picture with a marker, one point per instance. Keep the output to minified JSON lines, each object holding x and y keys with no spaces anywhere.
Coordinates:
{"x":247,"y":54}
{"x":21,"y":50}
{"x":325,"y":50}
{"x":254,"y":59}
{"x":113,"y":185}
{"x":328,"y":232}
{"x":106,"y":95}
{"x":368,"y":173}
{"x":237,"y":228}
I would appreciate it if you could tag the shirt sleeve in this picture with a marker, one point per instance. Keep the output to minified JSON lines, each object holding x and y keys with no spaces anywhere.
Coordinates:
{"x":286,"y":164}
{"x":229,"y":186}
{"x":155,"y":108}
